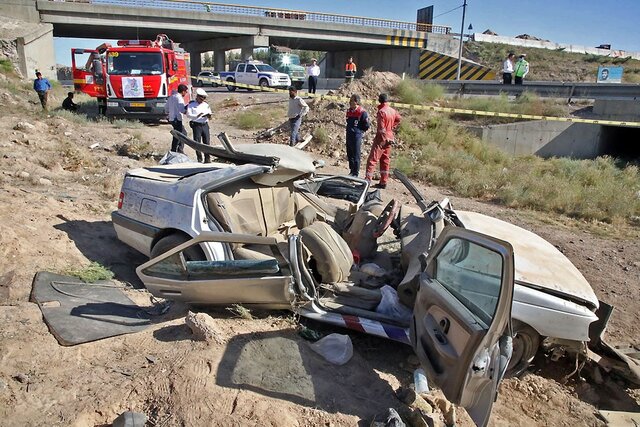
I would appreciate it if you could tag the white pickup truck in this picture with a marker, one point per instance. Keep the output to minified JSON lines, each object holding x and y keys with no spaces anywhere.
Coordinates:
{"x":255,"y":73}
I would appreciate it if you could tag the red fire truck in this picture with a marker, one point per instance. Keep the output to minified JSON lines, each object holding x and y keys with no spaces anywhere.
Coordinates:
{"x":132,"y":79}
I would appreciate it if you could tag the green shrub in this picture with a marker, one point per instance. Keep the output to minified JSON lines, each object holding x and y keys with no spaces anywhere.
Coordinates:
{"x":6,"y":67}
{"x":92,"y":273}
{"x":249,"y":120}
{"x":412,"y":91}
{"x":321,"y":136}
{"x":445,"y":154}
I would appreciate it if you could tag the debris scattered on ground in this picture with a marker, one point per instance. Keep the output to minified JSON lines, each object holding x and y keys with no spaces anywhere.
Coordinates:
{"x":414,"y":400}
{"x":240,"y":311}
{"x":390,"y":419}
{"x":130,"y":419}
{"x":335,"y":348}
{"x":309,"y":334}
{"x":203,"y":327}
{"x":24,"y":126}
{"x":21,"y":378}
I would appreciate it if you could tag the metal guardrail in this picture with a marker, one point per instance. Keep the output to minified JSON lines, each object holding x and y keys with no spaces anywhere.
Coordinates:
{"x":266,"y":12}
{"x":547,"y":89}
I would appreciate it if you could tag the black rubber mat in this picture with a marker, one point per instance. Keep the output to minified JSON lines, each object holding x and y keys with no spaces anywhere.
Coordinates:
{"x":78,"y":312}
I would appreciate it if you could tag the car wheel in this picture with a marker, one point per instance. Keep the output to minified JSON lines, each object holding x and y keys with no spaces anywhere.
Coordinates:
{"x":231,"y":88}
{"x":193,"y":253}
{"x":525,"y":346}
{"x":199,"y":83}
{"x":264,"y":83}
{"x":299,"y":85}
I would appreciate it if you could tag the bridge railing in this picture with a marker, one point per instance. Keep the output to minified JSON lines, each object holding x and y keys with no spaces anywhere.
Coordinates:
{"x":266,"y":12}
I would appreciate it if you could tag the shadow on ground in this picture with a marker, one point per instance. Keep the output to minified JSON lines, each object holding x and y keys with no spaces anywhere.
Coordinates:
{"x":98,"y":242}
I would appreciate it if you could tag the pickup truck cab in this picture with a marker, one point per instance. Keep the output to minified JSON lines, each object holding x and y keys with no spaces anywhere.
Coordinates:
{"x":255,"y":73}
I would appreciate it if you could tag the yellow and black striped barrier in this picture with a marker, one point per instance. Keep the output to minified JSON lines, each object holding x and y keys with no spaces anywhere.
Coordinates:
{"x":436,"y":66}
{"x":400,"y":38}
{"x":438,"y":109}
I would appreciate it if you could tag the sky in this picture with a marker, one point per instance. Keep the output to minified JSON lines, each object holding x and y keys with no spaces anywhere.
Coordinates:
{"x":580,"y":22}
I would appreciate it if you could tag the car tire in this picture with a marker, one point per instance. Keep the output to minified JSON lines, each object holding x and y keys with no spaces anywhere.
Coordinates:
{"x":194,"y":253}
{"x":231,"y":88}
{"x":525,"y":346}
{"x":299,"y":85}
{"x":199,"y":83}
{"x":264,"y":83}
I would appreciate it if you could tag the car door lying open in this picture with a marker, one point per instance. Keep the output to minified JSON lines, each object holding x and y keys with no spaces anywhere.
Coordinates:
{"x":460,"y":329}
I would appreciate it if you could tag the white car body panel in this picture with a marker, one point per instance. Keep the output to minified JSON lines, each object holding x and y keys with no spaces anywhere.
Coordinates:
{"x":538,"y":262}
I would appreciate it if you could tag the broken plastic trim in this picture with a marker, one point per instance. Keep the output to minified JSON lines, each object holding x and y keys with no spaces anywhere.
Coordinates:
{"x":295,"y":268}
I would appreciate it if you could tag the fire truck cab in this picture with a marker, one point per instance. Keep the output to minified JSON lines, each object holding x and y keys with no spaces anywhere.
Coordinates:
{"x":132,"y":79}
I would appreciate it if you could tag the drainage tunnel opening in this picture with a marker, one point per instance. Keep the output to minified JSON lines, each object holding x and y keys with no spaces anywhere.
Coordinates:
{"x":620,"y":142}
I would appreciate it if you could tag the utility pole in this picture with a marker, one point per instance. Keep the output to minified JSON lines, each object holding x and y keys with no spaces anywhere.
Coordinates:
{"x":464,"y":10}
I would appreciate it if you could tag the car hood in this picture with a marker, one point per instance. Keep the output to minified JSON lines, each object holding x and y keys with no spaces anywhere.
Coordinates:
{"x":538,"y":263}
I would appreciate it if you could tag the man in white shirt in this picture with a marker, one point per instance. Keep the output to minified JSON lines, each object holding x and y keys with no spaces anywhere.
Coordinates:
{"x":199,"y":113}
{"x":175,"y":107}
{"x":297,"y":109}
{"x":507,"y":68}
{"x":313,"y":71}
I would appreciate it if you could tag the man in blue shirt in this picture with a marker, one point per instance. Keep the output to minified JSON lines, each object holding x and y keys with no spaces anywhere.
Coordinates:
{"x":357,"y":125}
{"x":42,"y":87}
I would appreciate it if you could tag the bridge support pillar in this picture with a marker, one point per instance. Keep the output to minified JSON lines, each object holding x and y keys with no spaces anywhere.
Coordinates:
{"x":219,"y":60}
{"x":196,"y":62}
{"x":246,"y":53}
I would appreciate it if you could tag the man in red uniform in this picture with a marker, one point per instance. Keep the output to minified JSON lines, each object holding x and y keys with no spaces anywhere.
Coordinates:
{"x":388,"y":120}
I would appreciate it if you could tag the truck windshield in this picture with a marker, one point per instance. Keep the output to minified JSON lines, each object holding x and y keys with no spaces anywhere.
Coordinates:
{"x":264,"y":67}
{"x":134,"y":63}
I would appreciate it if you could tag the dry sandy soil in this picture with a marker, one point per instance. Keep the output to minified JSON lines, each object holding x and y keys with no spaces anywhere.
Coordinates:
{"x":56,"y":195}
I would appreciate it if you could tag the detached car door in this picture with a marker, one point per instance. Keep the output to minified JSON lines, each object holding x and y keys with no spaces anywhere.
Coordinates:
{"x":461,"y":321}
{"x":264,"y":280}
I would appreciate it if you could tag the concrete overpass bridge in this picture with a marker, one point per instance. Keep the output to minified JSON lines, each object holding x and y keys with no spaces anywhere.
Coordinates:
{"x":202,"y":26}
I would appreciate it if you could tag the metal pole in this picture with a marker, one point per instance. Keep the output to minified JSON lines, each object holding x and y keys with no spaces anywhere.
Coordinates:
{"x":464,"y":9}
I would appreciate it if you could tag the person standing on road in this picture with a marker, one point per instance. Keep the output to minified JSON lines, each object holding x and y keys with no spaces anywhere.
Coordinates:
{"x":357,"y":125}
{"x":199,"y":113}
{"x":175,"y":108}
{"x":297,"y":109}
{"x":42,"y":87}
{"x":350,"y":70}
{"x":507,"y":69}
{"x":388,"y":121}
{"x":313,"y":71}
{"x":521,"y":69}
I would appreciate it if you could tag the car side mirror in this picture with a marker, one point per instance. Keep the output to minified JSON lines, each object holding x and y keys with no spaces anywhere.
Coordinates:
{"x":174,"y":67}
{"x":97,"y":67}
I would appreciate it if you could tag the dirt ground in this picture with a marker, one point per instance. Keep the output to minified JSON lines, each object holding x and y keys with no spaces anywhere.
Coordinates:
{"x":56,"y":196}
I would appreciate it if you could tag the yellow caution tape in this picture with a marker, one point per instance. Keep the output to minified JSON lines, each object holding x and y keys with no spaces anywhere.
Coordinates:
{"x":433,"y":107}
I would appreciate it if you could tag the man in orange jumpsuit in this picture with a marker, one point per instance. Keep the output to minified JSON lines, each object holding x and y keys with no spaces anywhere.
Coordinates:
{"x":388,"y":120}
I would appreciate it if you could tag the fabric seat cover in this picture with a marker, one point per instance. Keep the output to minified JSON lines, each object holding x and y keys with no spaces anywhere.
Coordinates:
{"x":333,"y":258}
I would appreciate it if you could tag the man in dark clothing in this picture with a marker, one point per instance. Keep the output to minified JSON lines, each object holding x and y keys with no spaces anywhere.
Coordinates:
{"x":68,"y":103}
{"x":42,"y":87}
{"x":357,"y":125}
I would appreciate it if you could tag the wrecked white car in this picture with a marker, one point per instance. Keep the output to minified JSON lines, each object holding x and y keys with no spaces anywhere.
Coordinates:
{"x":264,"y":229}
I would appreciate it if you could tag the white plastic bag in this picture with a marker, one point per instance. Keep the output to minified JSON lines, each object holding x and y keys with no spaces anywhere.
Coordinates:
{"x":172,"y":158}
{"x":373,"y":269}
{"x":390,"y":305}
{"x":335,"y":348}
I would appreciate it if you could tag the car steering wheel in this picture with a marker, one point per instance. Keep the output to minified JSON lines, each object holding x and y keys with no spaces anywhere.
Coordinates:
{"x":386,"y":217}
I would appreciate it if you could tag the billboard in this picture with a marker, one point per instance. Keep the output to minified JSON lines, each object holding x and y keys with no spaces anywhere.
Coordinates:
{"x":609,"y":74}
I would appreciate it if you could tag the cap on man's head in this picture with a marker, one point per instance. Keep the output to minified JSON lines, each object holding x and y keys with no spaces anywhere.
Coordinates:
{"x":314,"y":60}
{"x":382,"y":98}
{"x":523,"y":55}
{"x":292,"y":89}
{"x":201,"y":92}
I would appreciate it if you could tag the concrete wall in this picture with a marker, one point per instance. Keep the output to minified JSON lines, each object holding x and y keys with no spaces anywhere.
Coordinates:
{"x":396,"y":60}
{"x":445,"y":45}
{"x":554,"y":46}
{"x":24,"y":10}
{"x":545,"y":139}
{"x":36,"y":52}
{"x":617,"y":109}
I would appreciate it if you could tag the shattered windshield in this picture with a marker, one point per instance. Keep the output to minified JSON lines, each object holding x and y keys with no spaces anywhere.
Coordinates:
{"x":134,"y":63}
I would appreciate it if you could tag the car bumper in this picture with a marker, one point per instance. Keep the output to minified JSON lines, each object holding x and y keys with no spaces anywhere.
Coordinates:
{"x":143,"y":108}
{"x":134,"y":233}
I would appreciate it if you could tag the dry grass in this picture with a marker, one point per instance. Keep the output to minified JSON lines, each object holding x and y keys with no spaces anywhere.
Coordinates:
{"x":445,"y":154}
{"x":412,"y":91}
{"x":250,"y":120}
{"x":74,"y":158}
{"x":321,"y":136}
